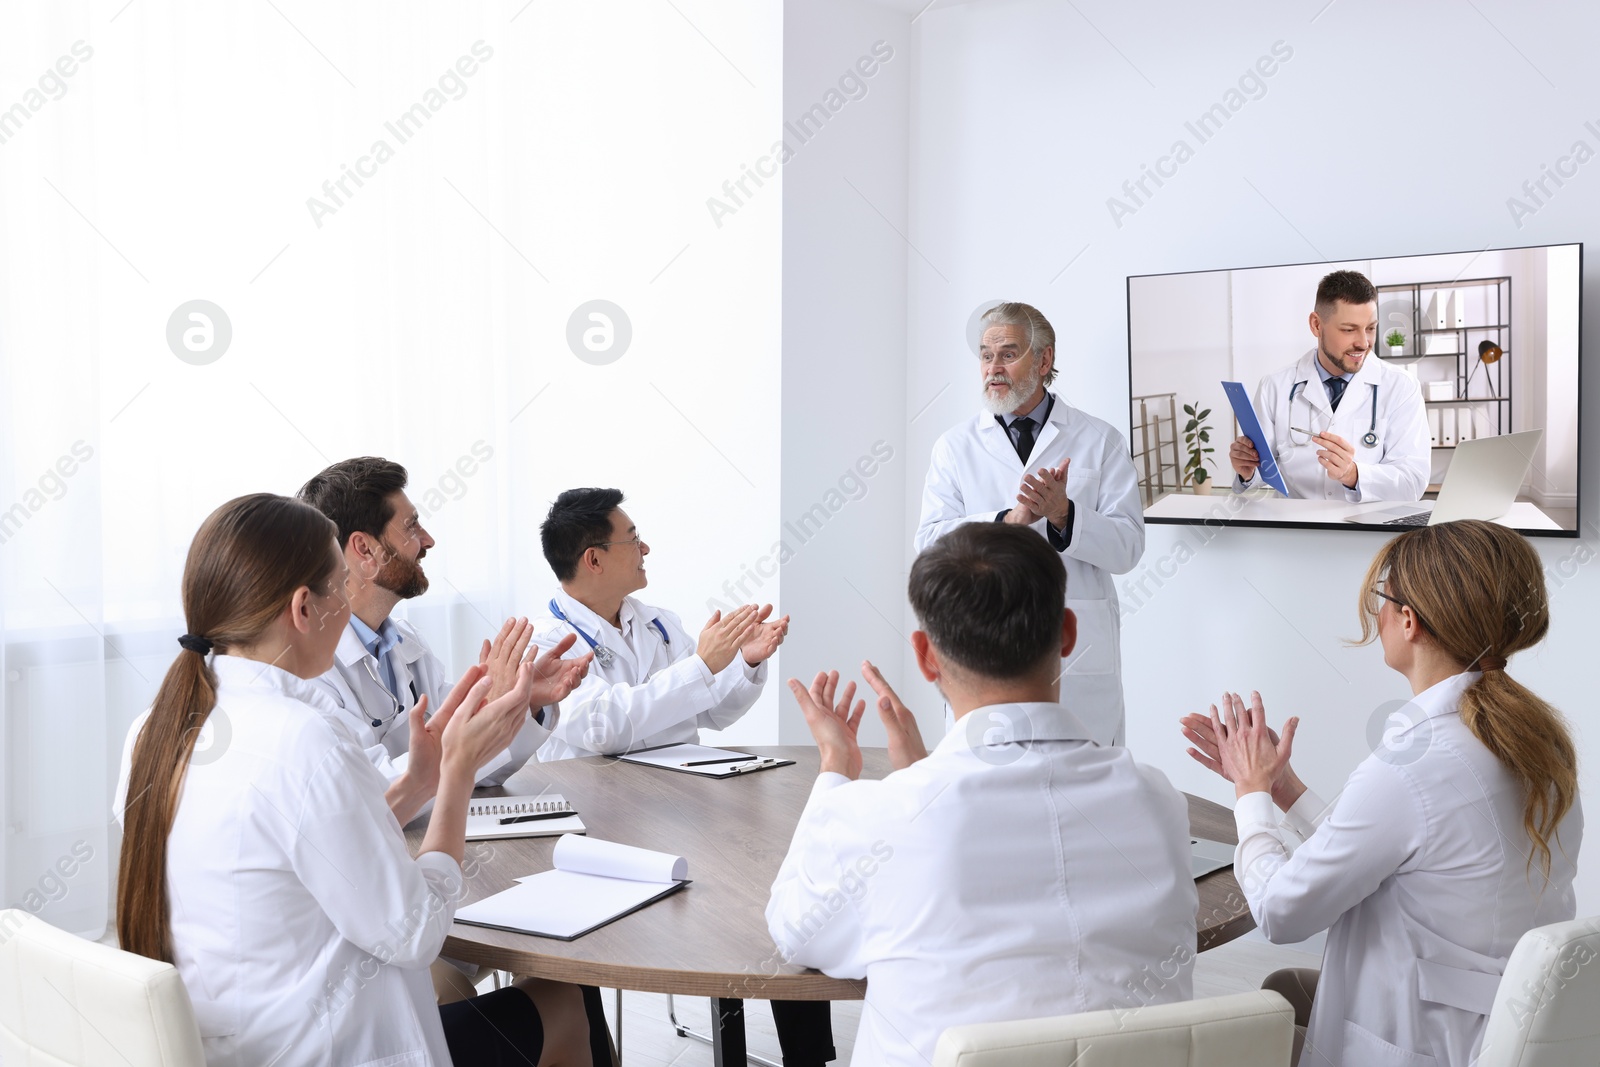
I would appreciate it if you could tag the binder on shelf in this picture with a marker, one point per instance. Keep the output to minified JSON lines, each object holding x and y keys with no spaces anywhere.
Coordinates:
{"x":1433,"y":427}
{"x":1438,"y":310}
{"x":1458,"y":311}
{"x":1447,"y":426}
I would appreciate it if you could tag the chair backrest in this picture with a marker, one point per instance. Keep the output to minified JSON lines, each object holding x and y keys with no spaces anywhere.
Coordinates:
{"x":1244,"y":1030}
{"x":1547,"y":1010}
{"x":67,"y":1002}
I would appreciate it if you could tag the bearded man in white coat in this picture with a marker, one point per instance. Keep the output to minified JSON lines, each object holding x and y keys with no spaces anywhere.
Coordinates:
{"x":383,"y":671}
{"x":989,"y":879}
{"x":1343,"y":425}
{"x":1031,"y":459}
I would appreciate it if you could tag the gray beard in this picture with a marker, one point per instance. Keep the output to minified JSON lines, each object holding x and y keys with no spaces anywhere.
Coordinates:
{"x":1021,"y":390}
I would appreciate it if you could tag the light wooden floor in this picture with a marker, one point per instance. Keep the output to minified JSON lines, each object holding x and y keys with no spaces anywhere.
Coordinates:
{"x":648,"y":1039}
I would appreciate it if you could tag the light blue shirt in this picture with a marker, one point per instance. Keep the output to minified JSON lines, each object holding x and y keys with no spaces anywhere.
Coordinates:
{"x":379,"y":643}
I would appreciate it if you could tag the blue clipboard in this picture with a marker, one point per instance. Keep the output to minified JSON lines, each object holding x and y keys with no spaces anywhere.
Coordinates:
{"x":1245,"y":412}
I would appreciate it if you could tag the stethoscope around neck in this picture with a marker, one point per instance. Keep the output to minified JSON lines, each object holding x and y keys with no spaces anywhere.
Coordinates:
{"x":372,"y":672}
{"x":1368,"y":439}
{"x":602,"y":655}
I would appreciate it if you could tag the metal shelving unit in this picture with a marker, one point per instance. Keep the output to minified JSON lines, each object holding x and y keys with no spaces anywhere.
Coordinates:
{"x":1155,"y":433}
{"x":1496,"y":376}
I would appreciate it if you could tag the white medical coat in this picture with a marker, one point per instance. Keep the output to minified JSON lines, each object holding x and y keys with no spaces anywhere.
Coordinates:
{"x":1396,"y":469}
{"x":657,"y":691}
{"x":355,"y":685}
{"x":992,"y":881}
{"x":301,"y":926}
{"x":974,"y":474}
{"x":1419,"y":874}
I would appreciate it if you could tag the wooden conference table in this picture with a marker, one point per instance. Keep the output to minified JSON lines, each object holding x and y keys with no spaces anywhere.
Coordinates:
{"x":711,"y":938}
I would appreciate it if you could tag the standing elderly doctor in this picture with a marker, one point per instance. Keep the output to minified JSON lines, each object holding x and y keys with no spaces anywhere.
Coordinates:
{"x":1031,"y":459}
{"x":1343,"y":424}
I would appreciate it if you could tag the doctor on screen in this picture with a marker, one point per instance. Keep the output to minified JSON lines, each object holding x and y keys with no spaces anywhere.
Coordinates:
{"x":1343,"y":424}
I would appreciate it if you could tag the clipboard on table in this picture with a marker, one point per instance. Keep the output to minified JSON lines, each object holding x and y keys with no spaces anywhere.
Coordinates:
{"x":702,"y":760}
{"x":1245,"y":412}
{"x":592,"y":883}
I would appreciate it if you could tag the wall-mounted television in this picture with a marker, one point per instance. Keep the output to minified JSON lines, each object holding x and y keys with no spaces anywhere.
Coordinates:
{"x":1369,"y":394}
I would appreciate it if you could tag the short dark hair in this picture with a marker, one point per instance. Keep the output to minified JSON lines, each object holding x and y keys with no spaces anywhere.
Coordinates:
{"x":1351,"y":286}
{"x":578,"y":520}
{"x":990,"y":597}
{"x":355,"y":494}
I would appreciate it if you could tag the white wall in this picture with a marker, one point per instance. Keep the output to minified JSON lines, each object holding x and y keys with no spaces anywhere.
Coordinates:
{"x":1027,"y":116}
{"x":844,"y":345}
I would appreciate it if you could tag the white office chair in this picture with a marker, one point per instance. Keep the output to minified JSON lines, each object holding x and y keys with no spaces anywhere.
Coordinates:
{"x":67,"y":1002}
{"x":1245,"y":1030}
{"x":1547,"y":1010}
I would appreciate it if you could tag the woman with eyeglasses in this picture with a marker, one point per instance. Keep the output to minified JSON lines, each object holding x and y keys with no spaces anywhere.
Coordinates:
{"x":259,"y":856}
{"x":1446,"y":845}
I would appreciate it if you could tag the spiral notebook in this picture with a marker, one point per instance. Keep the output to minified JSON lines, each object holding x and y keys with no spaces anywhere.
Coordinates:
{"x":545,"y":815}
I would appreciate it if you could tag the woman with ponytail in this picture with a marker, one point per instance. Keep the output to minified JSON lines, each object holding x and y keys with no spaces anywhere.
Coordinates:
{"x":259,"y":855}
{"x":1457,"y":836}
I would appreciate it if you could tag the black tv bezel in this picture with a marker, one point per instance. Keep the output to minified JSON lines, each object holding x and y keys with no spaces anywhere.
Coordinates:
{"x":1351,"y":527}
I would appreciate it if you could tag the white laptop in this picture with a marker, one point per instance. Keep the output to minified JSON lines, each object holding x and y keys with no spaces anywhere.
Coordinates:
{"x":1482,"y":483}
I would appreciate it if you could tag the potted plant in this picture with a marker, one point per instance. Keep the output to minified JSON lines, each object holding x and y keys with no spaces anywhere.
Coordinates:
{"x":1396,"y":342}
{"x":1197,"y":438}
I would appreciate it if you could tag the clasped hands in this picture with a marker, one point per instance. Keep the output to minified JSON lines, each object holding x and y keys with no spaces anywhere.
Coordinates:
{"x":483,"y":712}
{"x":1043,"y":496}
{"x":743,"y":631}
{"x":834,"y":722}
{"x":1237,"y":744}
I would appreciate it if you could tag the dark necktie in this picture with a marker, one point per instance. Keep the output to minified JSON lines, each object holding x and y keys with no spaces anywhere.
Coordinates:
{"x":1335,"y":391}
{"x":1024,"y":441}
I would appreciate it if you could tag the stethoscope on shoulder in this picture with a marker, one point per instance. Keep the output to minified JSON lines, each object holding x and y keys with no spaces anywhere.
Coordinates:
{"x":1368,"y":439}
{"x":602,"y":655}
{"x":372,"y":672}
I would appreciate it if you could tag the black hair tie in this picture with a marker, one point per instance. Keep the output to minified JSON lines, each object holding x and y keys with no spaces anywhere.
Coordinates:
{"x":195,"y":643}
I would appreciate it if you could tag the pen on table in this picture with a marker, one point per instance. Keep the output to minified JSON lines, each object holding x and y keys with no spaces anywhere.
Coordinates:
{"x":508,"y":820}
{"x":708,"y":762}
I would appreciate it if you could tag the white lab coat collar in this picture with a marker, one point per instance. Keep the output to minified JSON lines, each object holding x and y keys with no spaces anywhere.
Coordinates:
{"x":997,"y":439}
{"x":634,"y":616}
{"x":351,"y":650}
{"x":997,"y":725}
{"x":1317,"y":394}
{"x":239,"y":672}
{"x":1441,"y":698}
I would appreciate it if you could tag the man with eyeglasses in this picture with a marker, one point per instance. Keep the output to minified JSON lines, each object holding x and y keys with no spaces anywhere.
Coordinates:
{"x":650,"y":683}
{"x":1030,"y":459}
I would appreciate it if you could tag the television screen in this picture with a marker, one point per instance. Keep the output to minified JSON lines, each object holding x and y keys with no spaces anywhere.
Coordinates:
{"x":1369,"y":394}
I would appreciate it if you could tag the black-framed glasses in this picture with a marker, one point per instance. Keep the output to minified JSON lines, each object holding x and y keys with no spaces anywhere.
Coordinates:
{"x":1397,"y":602}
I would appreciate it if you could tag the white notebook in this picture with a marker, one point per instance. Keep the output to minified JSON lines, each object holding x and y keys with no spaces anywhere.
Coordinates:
{"x":545,"y":815}
{"x":593,"y":883}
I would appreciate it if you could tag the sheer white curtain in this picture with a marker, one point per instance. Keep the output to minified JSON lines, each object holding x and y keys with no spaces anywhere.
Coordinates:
{"x":397,"y":210}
